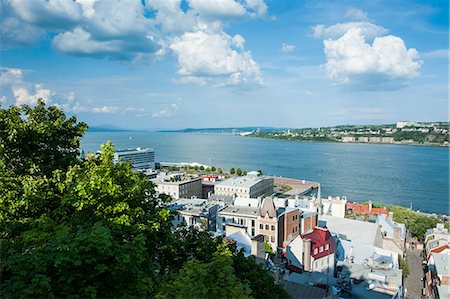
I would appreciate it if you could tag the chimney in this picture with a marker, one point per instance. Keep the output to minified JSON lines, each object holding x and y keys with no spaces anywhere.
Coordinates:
{"x":370,"y":206}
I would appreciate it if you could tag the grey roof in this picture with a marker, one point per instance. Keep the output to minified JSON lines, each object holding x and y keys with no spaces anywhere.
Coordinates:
{"x":301,"y":291}
{"x":240,"y":181}
{"x":227,"y":199}
{"x":351,"y":230}
{"x":441,"y":263}
{"x":247,"y":211}
{"x":268,"y":207}
{"x":160,"y":181}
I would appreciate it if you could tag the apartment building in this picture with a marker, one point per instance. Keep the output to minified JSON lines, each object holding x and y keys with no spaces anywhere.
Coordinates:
{"x":313,"y":251}
{"x":248,"y":186}
{"x":140,"y":158}
{"x":180,"y":189}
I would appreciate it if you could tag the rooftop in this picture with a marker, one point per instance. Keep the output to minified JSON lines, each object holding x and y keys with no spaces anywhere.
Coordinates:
{"x":135,"y":150}
{"x":441,"y":263}
{"x":162,"y":181}
{"x":241,"y":181}
{"x":349,"y":229}
{"x":250,"y":211}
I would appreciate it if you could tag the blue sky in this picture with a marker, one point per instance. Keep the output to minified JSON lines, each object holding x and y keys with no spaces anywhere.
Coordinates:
{"x":197,"y":63}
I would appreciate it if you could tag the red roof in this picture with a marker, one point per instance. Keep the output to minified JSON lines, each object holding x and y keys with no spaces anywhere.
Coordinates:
{"x":364,"y":209}
{"x":320,"y":236}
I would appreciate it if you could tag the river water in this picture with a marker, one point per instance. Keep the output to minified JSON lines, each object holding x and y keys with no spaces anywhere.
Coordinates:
{"x":392,"y":174}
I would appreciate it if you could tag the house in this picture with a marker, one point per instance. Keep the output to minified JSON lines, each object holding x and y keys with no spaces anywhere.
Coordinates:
{"x":334,"y":206}
{"x":195,"y":212}
{"x":313,"y":251}
{"x":394,"y":234}
{"x":438,"y":274}
{"x":365,"y":209}
{"x":436,"y":237}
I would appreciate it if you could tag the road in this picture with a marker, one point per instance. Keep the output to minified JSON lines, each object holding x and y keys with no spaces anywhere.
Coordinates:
{"x":413,"y":282}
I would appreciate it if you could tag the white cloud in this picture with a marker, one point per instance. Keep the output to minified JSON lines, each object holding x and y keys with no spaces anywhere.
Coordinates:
{"x":367,"y":29}
{"x":356,"y":14}
{"x":441,"y":53}
{"x":48,"y":14}
{"x":218,"y":9}
{"x":166,"y":111}
{"x":258,"y":6}
{"x":26,"y":96}
{"x":286,"y":48}
{"x":3,"y":100}
{"x":350,"y":58}
{"x":202,"y":54}
{"x":105,"y":109}
{"x":142,"y":31}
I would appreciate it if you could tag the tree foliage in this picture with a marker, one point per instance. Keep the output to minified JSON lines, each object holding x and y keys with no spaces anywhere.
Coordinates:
{"x":232,"y":171}
{"x":416,"y":223}
{"x":38,"y":140}
{"x":92,"y":228}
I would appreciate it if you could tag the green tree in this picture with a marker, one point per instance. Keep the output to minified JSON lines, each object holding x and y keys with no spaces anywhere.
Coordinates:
{"x":99,"y":239}
{"x":244,"y":172}
{"x":201,"y":167}
{"x":219,"y":170}
{"x":232,"y":171}
{"x":215,"y":279}
{"x":39,"y":140}
{"x":213,"y":168}
{"x":402,"y":264}
{"x":261,"y":284}
{"x":260,"y":172}
{"x":238,"y":171}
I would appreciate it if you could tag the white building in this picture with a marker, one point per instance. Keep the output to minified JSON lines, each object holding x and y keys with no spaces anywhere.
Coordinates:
{"x":436,"y":237}
{"x":180,"y":189}
{"x":334,"y":206}
{"x":194,"y":212}
{"x":140,"y":158}
{"x":245,"y":186}
{"x":402,"y":124}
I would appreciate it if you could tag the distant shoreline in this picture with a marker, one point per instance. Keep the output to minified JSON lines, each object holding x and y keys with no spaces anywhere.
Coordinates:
{"x":328,"y":141}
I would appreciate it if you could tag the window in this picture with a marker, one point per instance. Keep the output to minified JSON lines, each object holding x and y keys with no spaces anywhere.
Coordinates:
{"x":293,"y":230}
{"x":315,"y":250}
{"x":253,"y":223}
{"x":293,"y":217}
{"x":321,"y":248}
{"x":267,"y":227}
{"x":261,"y":226}
{"x":273,"y":227}
{"x":272,"y":239}
{"x":327,"y":246}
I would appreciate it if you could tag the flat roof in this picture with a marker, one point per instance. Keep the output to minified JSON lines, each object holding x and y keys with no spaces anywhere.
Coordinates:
{"x":160,"y":181}
{"x":241,"y":181}
{"x":137,"y":150}
{"x":240,"y":210}
{"x":441,"y":262}
{"x":351,"y":230}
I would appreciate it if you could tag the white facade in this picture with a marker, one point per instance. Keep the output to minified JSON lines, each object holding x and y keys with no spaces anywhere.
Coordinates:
{"x":182,"y":189}
{"x":140,"y":158}
{"x":247,"y":186}
{"x":334,"y":206}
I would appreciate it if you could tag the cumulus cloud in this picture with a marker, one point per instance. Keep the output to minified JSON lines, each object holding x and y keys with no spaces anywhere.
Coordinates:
{"x":356,"y":14}
{"x":286,"y":48}
{"x":22,"y":91}
{"x":206,"y":55}
{"x":141,"y":31}
{"x":48,"y":14}
{"x":26,"y":96}
{"x":368,"y":30}
{"x":105,"y":109}
{"x":361,"y":56}
{"x":166,"y":111}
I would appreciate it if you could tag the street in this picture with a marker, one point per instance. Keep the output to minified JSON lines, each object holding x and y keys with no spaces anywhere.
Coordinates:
{"x":413,"y":283}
